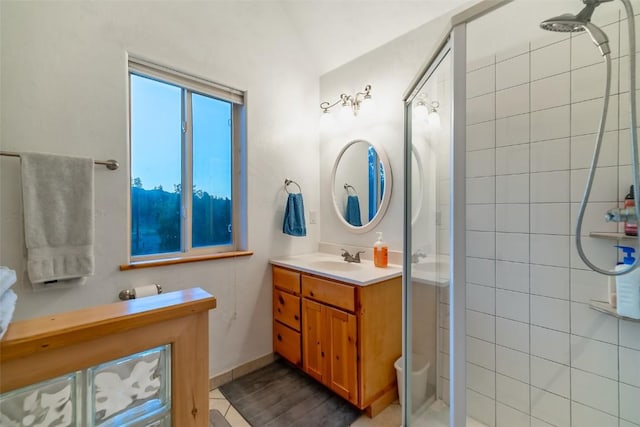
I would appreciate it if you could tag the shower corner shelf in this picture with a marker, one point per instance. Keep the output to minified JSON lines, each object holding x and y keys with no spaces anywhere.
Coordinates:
{"x":605,"y":308}
{"x":611,"y":236}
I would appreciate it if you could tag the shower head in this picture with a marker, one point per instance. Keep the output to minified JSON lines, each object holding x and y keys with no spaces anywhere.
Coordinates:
{"x":569,"y":23}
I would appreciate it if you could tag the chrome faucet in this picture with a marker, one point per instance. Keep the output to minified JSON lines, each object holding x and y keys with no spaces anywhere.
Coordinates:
{"x":415,"y":257}
{"x":351,"y":258}
{"x":622,"y":215}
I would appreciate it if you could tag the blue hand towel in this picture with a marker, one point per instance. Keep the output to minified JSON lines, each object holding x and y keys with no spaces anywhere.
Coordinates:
{"x":353,"y":211}
{"x":294,"y":216}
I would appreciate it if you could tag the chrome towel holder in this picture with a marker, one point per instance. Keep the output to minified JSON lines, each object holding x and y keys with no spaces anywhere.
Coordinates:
{"x":289,"y":181}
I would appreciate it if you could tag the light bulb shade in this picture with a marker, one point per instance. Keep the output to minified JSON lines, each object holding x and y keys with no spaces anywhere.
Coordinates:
{"x":420,"y":110}
{"x":434,"y":119}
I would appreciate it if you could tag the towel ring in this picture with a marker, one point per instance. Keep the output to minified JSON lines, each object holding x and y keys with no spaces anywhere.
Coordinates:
{"x":348,"y":186}
{"x":286,"y":185}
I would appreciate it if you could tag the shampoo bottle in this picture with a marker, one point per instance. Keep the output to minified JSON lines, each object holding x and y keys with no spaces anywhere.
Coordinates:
{"x":629,"y":202}
{"x":380,"y":252}
{"x":628,"y":287}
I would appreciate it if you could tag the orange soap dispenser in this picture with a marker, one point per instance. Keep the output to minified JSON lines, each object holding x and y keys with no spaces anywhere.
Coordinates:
{"x":380,"y":252}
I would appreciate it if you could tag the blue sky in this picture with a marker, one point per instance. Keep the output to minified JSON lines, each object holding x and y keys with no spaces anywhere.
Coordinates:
{"x":156,"y":115}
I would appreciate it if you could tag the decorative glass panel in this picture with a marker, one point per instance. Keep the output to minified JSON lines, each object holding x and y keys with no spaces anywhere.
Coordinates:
{"x":165,"y":421}
{"x":49,"y":403}
{"x":130,"y":390}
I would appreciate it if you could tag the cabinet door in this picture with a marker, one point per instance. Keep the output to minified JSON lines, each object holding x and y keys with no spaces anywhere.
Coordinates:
{"x":312,"y":337}
{"x":340,"y":349}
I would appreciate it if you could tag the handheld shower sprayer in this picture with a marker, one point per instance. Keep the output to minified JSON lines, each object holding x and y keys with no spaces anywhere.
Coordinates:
{"x":582,"y":22}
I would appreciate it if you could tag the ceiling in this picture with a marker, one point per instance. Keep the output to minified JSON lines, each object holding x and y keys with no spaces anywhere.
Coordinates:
{"x":337,"y":31}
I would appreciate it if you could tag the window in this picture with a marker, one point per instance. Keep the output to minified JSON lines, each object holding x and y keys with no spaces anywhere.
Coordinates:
{"x":186,"y":136}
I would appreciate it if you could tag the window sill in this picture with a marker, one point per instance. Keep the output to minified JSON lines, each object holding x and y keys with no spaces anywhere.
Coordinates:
{"x":172,"y":261}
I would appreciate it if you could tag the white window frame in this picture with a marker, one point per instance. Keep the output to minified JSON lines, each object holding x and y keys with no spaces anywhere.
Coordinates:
{"x":189,"y":85}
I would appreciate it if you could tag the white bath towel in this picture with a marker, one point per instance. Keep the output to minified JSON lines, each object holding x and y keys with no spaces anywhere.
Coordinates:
{"x":57,"y":194}
{"x":7,"y":307}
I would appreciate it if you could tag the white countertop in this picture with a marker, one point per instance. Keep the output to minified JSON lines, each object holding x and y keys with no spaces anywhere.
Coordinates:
{"x":334,"y":267}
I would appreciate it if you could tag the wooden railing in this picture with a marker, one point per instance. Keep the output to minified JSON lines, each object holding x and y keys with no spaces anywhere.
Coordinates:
{"x":38,"y":349}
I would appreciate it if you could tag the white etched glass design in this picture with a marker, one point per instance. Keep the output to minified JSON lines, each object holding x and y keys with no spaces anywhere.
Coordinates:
{"x":48,"y":403}
{"x":132,"y":390}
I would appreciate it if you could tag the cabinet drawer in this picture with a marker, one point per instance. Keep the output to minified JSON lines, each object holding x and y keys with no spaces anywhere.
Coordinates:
{"x":332,"y":293}
{"x":286,"y":342}
{"x":286,"y":308}
{"x":286,"y":279}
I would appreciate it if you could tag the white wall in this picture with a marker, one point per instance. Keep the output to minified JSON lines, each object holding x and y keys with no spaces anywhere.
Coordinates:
{"x":64,"y":90}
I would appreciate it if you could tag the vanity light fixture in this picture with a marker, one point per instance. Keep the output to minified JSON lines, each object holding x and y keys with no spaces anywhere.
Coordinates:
{"x":353,"y":101}
{"x":428,"y":111}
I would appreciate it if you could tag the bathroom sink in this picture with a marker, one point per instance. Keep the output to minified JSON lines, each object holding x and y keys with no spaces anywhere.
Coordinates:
{"x":335,"y":265}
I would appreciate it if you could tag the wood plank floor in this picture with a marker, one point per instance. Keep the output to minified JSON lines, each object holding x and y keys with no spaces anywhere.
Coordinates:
{"x":281,"y":396}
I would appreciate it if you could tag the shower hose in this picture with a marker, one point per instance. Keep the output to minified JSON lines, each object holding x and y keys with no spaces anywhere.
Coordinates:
{"x":596,"y":152}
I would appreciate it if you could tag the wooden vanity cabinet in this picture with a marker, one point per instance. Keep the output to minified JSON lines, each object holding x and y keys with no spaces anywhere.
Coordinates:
{"x":350,"y":336}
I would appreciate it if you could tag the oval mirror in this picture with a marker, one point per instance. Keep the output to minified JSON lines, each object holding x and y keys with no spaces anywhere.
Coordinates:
{"x":361,"y":184}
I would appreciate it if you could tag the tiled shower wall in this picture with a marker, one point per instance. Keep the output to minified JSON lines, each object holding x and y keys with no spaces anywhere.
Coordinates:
{"x":537,"y":355}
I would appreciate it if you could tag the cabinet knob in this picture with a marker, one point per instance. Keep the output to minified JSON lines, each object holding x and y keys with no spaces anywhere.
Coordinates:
{"x":281,"y":299}
{"x":279,"y":337}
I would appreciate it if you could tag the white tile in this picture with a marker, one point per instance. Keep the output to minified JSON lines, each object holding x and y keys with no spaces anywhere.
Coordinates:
{"x":512,"y":159}
{"x":550,"y":313}
{"x":550,"y":218}
{"x":549,"y":187}
{"x":221,"y":405}
{"x":624,"y":114}
{"x":624,"y":39}
{"x":583,"y":416}
{"x":481,"y":244}
{"x":550,"y":60}
{"x":551,"y":376}
{"x":593,"y":219}
{"x":630,"y":334}
{"x":630,"y":366}
{"x":512,"y":51}
{"x":550,"y":407}
{"x":481,"y":163}
{"x":553,"y":123}
{"x":512,"y":101}
{"x":509,"y":417}
{"x":550,"y":281}
{"x":235,"y":419}
{"x":512,"y":363}
{"x":512,"y":217}
{"x":481,"y":109}
{"x":550,"y":92}
{"x":512,"y":188}
{"x":624,"y":72}
{"x":481,"y":217}
{"x":624,"y":181}
{"x":624,"y":147}
{"x":549,"y":249}
{"x":553,"y":155}
{"x":481,"y":380}
{"x":512,"y":334}
{"x":481,"y":326}
{"x":216,"y":394}
{"x":512,"y":72}
{"x":481,"y":353}
{"x":481,"y":81}
{"x":512,"y":305}
{"x":481,"y":190}
{"x":539,"y":423}
{"x":545,"y":38}
{"x":481,"y":271}
{"x":587,"y":285}
{"x":513,"y":276}
{"x":588,"y":82}
{"x":549,"y":344}
{"x":598,"y":250}
{"x":585,"y":116}
{"x":513,"y":393}
{"x":512,"y":130}
{"x":605,"y":185}
{"x":481,"y":136}
{"x":481,"y":298}
{"x":444,"y":339}
{"x":629,"y":398}
{"x":624,"y":423}
{"x":443,"y":315}
{"x":594,"y":356}
{"x":589,"y":323}
{"x":512,"y":247}
{"x":594,"y":391}
{"x":582,"y":150}
{"x":481,"y":408}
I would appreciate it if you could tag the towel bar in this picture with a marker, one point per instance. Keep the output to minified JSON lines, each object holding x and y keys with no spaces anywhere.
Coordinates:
{"x":110,"y":164}
{"x":349,"y":186}
{"x":286,"y":185}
